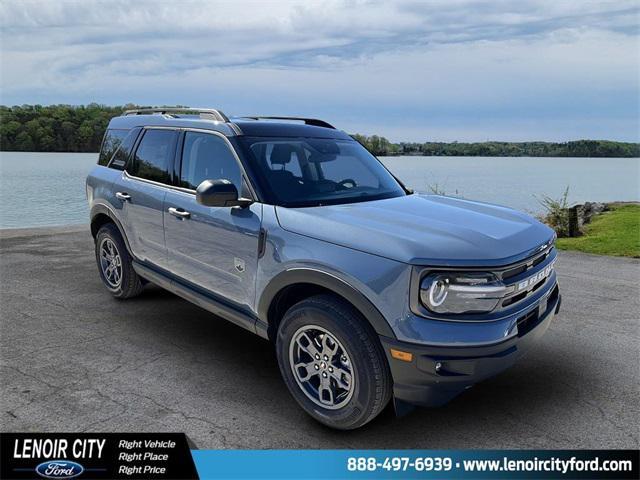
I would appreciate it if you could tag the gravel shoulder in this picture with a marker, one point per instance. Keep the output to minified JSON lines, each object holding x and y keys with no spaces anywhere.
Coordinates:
{"x":73,"y":359}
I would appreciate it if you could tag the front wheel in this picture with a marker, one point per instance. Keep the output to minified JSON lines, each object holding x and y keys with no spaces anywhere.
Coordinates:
{"x":332,"y":362}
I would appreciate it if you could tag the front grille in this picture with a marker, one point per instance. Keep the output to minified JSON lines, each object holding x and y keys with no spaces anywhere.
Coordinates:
{"x":514,"y":271}
{"x":540,"y":259}
{"x":515,"y":275}
{"x":538,"y":285}
{"x":527,"y":264}
{"x":515,"y":299}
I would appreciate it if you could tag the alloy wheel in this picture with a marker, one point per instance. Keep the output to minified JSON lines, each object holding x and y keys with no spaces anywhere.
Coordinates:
{"x":110,"y":263}
{"x":322,"y":367}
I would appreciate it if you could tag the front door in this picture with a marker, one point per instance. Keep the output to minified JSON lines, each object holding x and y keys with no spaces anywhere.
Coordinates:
{"x":215,"y":248}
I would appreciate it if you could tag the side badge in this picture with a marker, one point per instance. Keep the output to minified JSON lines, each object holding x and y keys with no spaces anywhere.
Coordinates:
{"x":239,"y":264}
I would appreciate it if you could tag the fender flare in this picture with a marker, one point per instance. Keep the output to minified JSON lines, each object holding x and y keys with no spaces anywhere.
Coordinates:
{"x":101,"y":208}
{"x":330,"y":282}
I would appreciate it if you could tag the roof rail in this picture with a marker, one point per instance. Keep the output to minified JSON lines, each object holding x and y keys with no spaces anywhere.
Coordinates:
{"x":308,"y":121}
{"x":204,"y":112}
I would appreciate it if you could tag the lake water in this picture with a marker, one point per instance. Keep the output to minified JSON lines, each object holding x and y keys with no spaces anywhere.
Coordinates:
{"x":517,"y":181}
{"x":46,"y":189}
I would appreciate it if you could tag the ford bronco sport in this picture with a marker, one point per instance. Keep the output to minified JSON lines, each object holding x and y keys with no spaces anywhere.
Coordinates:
{"x":291,"y":229}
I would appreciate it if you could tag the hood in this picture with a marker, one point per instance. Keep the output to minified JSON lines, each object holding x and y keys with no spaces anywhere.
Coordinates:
{"x":424,"y":230}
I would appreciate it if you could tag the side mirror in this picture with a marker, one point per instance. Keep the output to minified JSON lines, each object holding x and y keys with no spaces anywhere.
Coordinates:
{"x":220,"y":193}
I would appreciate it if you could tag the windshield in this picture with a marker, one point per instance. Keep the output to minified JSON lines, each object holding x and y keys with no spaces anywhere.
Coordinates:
{"x":301,"y":172}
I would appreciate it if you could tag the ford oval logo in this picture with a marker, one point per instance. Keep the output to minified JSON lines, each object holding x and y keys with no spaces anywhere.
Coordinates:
{"x":59,"y":469}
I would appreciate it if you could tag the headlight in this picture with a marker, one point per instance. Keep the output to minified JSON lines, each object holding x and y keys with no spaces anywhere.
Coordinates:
{"x":461,"y":292}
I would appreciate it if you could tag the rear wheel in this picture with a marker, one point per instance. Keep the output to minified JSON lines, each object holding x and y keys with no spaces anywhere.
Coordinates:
{"x":115,"y":264}
{"x":332,"y":362}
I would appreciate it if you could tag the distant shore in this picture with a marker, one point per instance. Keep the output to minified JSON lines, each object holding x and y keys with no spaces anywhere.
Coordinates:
{"x":575,"y":149}
{"x":80,"y":129}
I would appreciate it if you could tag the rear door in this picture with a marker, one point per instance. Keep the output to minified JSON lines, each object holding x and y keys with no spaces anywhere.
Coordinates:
{"x":141,"y":191}
{"x":215,"y":248}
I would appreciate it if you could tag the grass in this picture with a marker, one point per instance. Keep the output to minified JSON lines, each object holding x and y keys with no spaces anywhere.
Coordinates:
{"x":616,"y":232}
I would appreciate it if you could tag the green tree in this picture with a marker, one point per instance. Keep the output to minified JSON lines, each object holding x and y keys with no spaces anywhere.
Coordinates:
{"x":24,"y":142}
{"x":85,"y":135}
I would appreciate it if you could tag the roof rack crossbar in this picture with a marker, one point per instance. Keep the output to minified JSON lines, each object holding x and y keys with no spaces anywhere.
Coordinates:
{"x":308,"y":121}
{"x":204,"y":112}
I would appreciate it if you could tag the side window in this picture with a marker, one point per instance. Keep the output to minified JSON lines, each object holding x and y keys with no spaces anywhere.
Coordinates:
{"x":110,"y":143}
{"x":207,"y":157}
{"x":154,"y":156}
{"x":119,"y":159}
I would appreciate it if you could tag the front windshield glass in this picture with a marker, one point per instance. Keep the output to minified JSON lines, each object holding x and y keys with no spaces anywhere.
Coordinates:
{"x":302,"y":172}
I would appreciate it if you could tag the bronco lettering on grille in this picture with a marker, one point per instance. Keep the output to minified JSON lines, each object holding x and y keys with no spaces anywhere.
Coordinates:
{"x":534,"y":279}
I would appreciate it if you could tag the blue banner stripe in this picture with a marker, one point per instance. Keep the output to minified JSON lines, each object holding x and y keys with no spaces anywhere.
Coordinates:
{"x":410,"y":464}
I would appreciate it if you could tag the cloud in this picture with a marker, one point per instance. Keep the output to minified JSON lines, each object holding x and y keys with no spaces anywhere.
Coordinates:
{"x":458,"y":69}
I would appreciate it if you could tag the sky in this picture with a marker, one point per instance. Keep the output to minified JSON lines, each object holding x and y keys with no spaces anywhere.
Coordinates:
{"x":442,"y":70}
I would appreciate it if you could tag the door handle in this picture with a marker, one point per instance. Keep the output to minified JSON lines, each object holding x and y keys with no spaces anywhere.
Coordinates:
{"x":178,"y":212}
{"x":125,"y":197}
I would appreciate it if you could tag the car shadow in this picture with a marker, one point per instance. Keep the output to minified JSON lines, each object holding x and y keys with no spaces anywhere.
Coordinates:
{"x":495,"y":413}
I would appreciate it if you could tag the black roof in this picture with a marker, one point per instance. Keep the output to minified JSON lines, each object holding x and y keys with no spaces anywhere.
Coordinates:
{"x":271,"y":128}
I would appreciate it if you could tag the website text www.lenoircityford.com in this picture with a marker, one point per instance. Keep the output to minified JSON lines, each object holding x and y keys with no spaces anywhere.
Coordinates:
{"x":557,"y":465}
{"x":504,"y":464}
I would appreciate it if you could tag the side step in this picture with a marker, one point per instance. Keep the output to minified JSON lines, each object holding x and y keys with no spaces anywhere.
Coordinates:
{"x":203,"y":301}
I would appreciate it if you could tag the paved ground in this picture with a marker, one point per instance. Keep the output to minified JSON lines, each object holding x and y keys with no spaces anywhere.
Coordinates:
{"x":73,"y":358}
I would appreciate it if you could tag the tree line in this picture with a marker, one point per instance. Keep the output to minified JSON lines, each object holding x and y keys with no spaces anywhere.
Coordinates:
{"x":578,"y":148}
{"x":54,"y":128}
{"x":67,"y":128}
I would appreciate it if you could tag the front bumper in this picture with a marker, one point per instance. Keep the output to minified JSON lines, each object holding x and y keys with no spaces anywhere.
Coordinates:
{"x":437,"y":374}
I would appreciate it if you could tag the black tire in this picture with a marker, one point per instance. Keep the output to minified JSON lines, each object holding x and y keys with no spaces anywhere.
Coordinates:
{"x":129,"y":284}
{"x":370,"y":370}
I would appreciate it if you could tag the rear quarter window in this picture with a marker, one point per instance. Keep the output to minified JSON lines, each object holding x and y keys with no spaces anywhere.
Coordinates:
{"x":120,"y":158}
{"x":112,"y":140}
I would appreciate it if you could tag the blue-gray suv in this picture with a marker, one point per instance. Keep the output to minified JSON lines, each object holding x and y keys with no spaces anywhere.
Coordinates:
{"x":291,"y":229}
